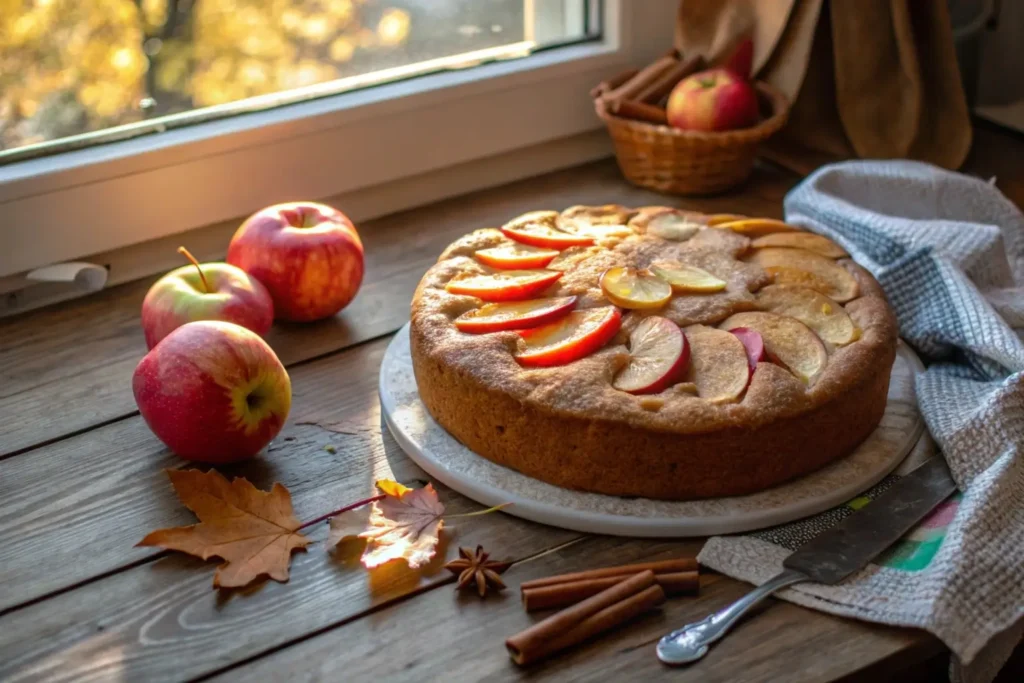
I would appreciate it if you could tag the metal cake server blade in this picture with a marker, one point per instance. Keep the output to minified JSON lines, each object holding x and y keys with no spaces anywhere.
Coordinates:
{"x":828,"y":558}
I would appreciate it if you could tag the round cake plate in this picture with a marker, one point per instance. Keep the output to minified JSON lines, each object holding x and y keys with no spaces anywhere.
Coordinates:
{"x":449,"y":462}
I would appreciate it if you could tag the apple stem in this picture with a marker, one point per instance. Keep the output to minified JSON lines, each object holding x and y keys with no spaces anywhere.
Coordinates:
{"x":335,"y":513}
{"x":192,"y":259}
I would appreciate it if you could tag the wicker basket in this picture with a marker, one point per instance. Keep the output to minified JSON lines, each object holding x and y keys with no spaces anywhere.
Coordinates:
{"x":692,"y":162}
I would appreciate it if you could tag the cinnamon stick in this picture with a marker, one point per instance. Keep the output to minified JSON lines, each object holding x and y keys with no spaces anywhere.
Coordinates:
{"x":569,"y":593}
{"x":663,"y":84}
{"x":632,"y":109}
{"x":639,"y":81}
{"x":683,"y":564}
{"x":597,"y":614}
{"x":610,"y":84}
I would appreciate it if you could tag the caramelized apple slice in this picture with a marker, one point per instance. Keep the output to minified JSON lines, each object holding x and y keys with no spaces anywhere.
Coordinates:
{"x":509,"y":285}
{"x":826,"y":276}
{"x":631,"y":288}
{"x":718,"y":364}
{"x":603,"y":232}
{"x":515,"y":257}
{"x":756,"y":227}
{"x":684,"y":278}
{"x":823,"y":315}
{"x":801,"y":240}
{"x":658,"y":354}
{"x":787,"y":341}
{"x":575,"y":336}
{"x":514,"y":315}
{"x":716,"y":219}
{"x":753,"y":343}
{"x":545,"y":237}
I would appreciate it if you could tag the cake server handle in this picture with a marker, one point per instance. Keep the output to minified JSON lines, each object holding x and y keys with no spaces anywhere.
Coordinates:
{"x":691,"y":642}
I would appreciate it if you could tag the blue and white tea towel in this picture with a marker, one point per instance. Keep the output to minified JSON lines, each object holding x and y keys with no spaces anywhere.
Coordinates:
{"x":949,"y":251}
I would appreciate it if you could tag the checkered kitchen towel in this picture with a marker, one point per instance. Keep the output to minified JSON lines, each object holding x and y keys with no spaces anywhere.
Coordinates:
{"x":949,"y":251}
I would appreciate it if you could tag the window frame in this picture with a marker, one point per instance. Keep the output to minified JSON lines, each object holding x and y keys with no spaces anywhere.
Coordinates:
{"x":110,"y":196}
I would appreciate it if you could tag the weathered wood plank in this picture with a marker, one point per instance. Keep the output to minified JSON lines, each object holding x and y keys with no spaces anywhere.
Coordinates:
{"x":440,"y":636}
{"x":75,"y":509}
{"x":163,"y":621}
{"x":68,"y":368}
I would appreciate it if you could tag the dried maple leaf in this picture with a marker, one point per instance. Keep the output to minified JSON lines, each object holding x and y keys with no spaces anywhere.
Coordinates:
{"x":253,"y":531}
{"x":404,"y":523}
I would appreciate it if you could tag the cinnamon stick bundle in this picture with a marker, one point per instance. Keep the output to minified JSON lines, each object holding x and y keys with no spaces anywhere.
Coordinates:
{"x":661,"y":86}
{"x":639,"y":81}
{"x":683,"y":564}
{"x":631,"y":109}
{"x":571,"y":592}
{"x":597,"y":614}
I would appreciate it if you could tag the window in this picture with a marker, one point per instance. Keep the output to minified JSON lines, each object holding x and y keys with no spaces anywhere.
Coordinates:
{"x":420,"y":113}
{"x":70,"y":70}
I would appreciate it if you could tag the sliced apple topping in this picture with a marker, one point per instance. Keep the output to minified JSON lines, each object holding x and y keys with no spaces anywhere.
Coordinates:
{"x":823,"y":274}
{"x":575,"y":336}
{"x":801,"y":240}
{"x":823,"y":315}
{"x":632,"y":288}
{"x":674,"y":226}
{"x":687,"y":279}
{"x":509,"y":285}
{"x":604,"y":232}
{"x":545,"y":236}
{"x":753,"y":343}
{"x":515,"y":257}
{"x":658,"y":354}
{"x":514,"y":315}
{"x":756,"y":227}
{"x":787,"y":341}
{"x":716,"y":219}
{"x":718,"y":364}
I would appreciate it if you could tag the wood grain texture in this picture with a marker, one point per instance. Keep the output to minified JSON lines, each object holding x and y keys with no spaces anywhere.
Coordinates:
{"x":68,"y":367}
{"x":71,"y":511}
{"x":111,"y":489}
{"x":466,"y":636}
{"x":162,"y":621}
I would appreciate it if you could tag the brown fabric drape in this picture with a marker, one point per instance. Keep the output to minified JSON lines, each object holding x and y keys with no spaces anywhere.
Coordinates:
{"x":867,"y":78}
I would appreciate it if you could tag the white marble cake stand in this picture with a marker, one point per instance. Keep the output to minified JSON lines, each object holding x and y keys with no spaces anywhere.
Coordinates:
{"x":451,"y":463}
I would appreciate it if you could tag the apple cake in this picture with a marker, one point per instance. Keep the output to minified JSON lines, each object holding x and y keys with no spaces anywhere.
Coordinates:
{"x":652,"y":352}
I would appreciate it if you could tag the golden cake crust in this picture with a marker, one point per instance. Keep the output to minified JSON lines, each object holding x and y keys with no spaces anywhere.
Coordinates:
{"x":569,"y":426}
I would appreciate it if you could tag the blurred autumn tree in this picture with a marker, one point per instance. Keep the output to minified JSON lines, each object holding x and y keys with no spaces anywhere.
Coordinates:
{"x":71,"y":66}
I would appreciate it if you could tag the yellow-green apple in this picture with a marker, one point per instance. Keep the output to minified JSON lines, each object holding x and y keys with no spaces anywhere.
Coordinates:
{"x":213,"y":392}
{"x":308,"y":255}
{"x":712,"y":100}
{"x":208,"y":291}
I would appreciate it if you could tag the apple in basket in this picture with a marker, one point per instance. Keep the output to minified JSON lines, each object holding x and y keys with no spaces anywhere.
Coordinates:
{"x":713,"y":100}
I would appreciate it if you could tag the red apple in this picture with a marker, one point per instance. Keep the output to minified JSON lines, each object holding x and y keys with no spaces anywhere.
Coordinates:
{"x":213,"y":392}
{"x":308,"y":255}
{"x":741,"y":61}
{"x":209,"y":291}
{"x":713,"y":100}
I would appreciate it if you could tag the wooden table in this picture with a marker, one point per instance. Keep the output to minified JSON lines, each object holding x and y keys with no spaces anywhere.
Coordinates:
{"x":81,"y":482}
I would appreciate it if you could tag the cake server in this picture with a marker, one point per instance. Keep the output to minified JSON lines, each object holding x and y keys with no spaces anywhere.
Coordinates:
{"x":828,"y":558}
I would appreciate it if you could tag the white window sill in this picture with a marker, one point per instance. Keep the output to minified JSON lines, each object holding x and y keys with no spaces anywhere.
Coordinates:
{"x":108,"y":197}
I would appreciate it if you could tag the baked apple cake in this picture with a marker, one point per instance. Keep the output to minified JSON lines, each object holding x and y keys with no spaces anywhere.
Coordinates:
{"x":652,"y":352}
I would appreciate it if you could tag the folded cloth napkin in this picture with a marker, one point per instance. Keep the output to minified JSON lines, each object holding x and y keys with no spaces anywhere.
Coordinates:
{"x":949,"y":251}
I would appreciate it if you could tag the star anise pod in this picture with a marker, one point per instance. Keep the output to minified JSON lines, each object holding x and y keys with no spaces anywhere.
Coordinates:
{"x":474,"y":567}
